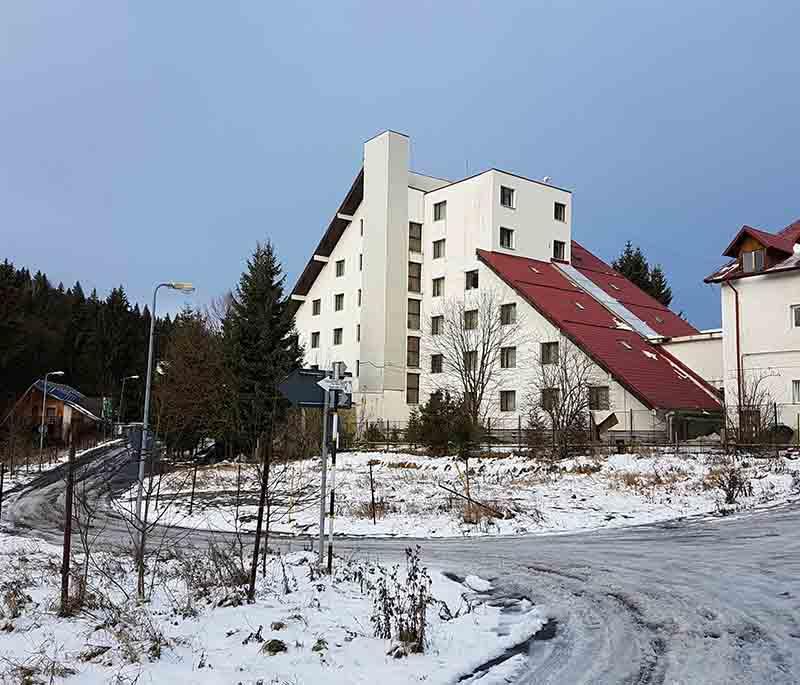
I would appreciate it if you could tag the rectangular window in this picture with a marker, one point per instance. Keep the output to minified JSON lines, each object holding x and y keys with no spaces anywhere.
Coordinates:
{"x":559,"y":250}
{"x":438,"y":249}
{"x":560,"y":211}
{"x":753,"y":262}
{"x":440,"y":211}
{"x":413,"y":314}
{"x":412,"y":352}
{"x":796,"y":316}
{"x":508,"y":314}
{"x":438,"y":287}
{"x":337,"y":336}
{"x":598,"y":397}
{"x":471,"y":320}
{"x":506,"y":238}
{"x":550,"y":398}
{"x":471,"y":361}
{"x":358,"y":368}
{"x":359,"y":297}
{"x":508,"y":400}
{"x":471,"y":280}
{"x":360,"y":262}
{"x":549,"y":353}
{"x":358,"y":332}
{"x":507,"y":197}
{"x":315,"y":340}
{"x":316,"y":306}
{"x":437,"y":362}
{"x":361,"y":223}
{"x":796,"y":392}
{"x":414,"y":237}
{"x":414,"y":277}
{"x":412,"y":388}
{"x":338,"y":302}
{"x":437,"y":325}
{"x":508,"y":357}
{"x":339,"y":268}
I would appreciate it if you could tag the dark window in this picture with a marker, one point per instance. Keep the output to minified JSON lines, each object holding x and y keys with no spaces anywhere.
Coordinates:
{"x":508,"y":400}
{"x":358,"y":368}
{"x":414,"y":277}
{"x":412,"y":388}
{"x":471,"y":280}
{"x":440,"y":211}
{"x":340,"y":268}
{"x":471,"y":360}
{"x":559,"y":250}
{"x":413,"y":314}
{"x":316,"y":306}
{"x":598,"y":397}
{"x":549,"y":353}
{"x":560,"y":211}
{"x":414,"y":237}
{"x":438,"y":249}
{"x":315,"y":339}
{"x":508,"y":314}
{"x":550,"y":398}
{"x":437,"y":324}
{"x":507,"y":238}
{"x":358,"y":332}
{"x":753,"y":262}
{"x":796,"y":315}
{"x":471,"y":320}
{"x":507,"y":197}
{"x":338,"y":302}
{"x":360,"y":262}
{"x":361,"y":222}
{"x":359,"y":297}
{"x":508,"y":357}
{"x":337,"y":336}
{"x":437,"y":362}
{"x":412,"y":352}
{"x":438,"y":287}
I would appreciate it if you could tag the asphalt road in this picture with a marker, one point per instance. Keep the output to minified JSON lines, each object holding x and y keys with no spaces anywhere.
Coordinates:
{"x":701,"y":600}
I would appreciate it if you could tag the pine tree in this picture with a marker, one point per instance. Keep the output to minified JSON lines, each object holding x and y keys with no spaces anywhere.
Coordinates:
{"x":632,"y":264}
{"x":659,"y":288}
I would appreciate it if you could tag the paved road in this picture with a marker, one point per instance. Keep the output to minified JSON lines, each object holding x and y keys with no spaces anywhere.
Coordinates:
{"x":694,"y":601}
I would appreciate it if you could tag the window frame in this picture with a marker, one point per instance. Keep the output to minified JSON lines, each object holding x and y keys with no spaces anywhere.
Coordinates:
{"x":512,"y":318}
{"x":437,"y":367}
{"x":794,"y":313}
{"x":546,"y":356}
{"x":560,"y":247}
{"x":414,"y":388}
{"x":338,"y":299}
{"x":470,"y":319}
{"x":412,"y":362}
{"x":417,"y":315}
{"x":417,"y":240}
{"x":316,"y":307}
{"x":796,"y":392}
{"x":509,"y":233}
{"x":440,"y":210}
{"x":437,"y":324}
{"x":338,"y":336}
{"x":339,"y":268}
{"x":756,"y":268}
{"x":505,"y":395}
{"x":605,"y":394}
{"x":512,"y":193}
{"x":508,"y":357}
{"x":555,"y":398}
{"x":441,"y":243}
{"x":468,"y":280}
{"x":437,"y":287}
{"x":314,"y":340}
{"x":415,"y":280}
{"x":560,"y":208}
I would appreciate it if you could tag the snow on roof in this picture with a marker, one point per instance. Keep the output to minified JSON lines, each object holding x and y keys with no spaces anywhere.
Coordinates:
{"x":593,"y":329}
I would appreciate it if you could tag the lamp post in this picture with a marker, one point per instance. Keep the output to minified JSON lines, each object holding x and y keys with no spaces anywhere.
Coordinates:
{"x":145,"y":441}
{"x":122,"y":396}
{"x":44,"y":404}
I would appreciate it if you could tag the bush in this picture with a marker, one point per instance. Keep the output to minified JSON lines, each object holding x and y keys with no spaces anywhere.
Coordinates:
{"x":443,"y":423}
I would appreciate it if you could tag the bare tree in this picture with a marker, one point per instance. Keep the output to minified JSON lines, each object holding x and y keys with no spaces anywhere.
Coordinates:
{"x":750,"y":412}
{"x":563,"y":378}
{"x":467,"y":339}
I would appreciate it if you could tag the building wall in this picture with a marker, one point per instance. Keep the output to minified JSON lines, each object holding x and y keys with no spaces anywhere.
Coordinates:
{"x":702,"y":353}
{"x":769,"y":344}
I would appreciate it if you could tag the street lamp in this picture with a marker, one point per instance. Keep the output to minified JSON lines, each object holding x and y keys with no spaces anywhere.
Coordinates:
{"x":122,"y":395}
{"x":183,"y":287}
{"x":44,"y":404}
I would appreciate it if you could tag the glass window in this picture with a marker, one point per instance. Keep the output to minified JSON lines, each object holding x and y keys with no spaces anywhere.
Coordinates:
{"x":598,"y":397}
{"x":412,"y":352}
{"x":437,"y":325}
{"x":753,"y":262}
{"x":560,"y":211}
{"x":796,"y":316}
{"x":315,"y":339}
{"x":507,"y":197}
{"x":440,"y":211}
{"x":506,"y":238}
{"x":316,"y":306}
{"x":471,"y":319}
{"x":413,"y":314}
{"x":340,"y":267}
{"x":471,"y":360}
{"x":359,"y":297}
{"x":508,"y":314}
{"x":471,"y":280}
{"x":437,"y":363}
{"x":438,"y":287}
{"x":508,"y":357}
{"x":338,"y":302}
{"x":796,"y":392}
{"x":414,"y":237}
{"x":358,"y":332}
{"x":337,"y":336}
{"x":438,"y":249}
{"x":559,"y":250}
{"x":508,"y":400}
{"x":360,"y":262}
{"x":412,"y":388}
{"x":414,"y":277}
{"x":550,"y":398}
{"x":549,"y":353}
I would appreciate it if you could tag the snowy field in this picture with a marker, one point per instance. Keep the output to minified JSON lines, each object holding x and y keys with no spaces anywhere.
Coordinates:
{"x":521,"y":495}
{"x":196,"y":627}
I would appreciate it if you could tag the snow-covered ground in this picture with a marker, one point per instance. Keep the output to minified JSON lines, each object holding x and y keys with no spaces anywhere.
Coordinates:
{"x":533,"y":497}
{"x":303,"y":628}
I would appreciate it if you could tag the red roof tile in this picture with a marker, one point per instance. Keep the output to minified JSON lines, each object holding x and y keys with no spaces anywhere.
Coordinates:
{"x":650,"y":373}
{"x":660,"y":318}
{"x":777,"y":242}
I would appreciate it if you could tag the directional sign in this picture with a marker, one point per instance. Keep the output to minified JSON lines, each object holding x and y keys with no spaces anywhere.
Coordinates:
{"x":301,"y":387}
{"x":345,"y":385}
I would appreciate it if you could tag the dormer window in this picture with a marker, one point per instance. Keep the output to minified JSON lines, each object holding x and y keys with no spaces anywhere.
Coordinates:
{"x":753,"y":261}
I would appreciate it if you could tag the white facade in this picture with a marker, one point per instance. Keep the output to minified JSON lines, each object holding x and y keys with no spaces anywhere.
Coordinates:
{"x":702,"y":353}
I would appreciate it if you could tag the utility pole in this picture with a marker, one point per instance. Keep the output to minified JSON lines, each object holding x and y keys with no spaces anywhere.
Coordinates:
{"x":333,"y":448}
{"x":67,"y":535}
{"x":323,"y":480}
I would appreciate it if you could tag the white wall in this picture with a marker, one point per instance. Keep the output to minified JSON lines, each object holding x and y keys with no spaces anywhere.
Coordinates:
{"x":702,"y":353}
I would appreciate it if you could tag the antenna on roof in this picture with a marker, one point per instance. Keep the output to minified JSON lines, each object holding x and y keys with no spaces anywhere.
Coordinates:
{"x":466,"y":167}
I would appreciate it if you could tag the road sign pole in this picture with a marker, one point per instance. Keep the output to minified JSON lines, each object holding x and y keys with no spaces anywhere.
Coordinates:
{"x":334,"y":447}
{"x":323,"y":484}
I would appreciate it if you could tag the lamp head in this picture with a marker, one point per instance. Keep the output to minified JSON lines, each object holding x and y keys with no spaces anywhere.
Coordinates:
{"x":56,"y":373}
{"x":183,"y":286}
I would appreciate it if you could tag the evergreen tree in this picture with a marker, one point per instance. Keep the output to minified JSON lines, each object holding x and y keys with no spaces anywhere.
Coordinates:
{"x":632,"y":264}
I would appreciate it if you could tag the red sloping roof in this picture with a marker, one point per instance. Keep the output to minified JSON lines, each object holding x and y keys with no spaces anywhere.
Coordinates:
{"x":777,"y":242}
{"x":654,"y":376}
{"x":660,"y":318}
{"x":791,"y":232}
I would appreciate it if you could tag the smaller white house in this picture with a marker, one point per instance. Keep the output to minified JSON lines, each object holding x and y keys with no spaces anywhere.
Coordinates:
{"x":760,"y":296}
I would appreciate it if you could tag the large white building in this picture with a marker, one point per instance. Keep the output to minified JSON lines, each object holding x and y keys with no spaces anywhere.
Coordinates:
{"x":760,"y":296}
{"x":401,"y":244}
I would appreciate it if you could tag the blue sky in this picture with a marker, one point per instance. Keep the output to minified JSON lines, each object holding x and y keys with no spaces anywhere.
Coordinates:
{"x":150,"y":140}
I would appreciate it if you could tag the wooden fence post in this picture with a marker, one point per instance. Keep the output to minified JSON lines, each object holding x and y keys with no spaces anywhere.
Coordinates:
{"x":65,"y":610}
